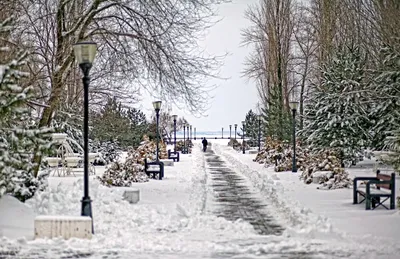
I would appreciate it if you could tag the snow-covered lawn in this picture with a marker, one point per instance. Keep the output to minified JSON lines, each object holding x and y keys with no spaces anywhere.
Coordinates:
{"x":174,"y":218}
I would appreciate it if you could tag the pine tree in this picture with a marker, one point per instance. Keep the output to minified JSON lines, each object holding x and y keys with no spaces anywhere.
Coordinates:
{"x":251,"y":128}
{"x":111,"y":124}
{"x":385,"y":112}
{"x":18,"y":135}
{"x":277,"y":117}
{"x":138,"y":125}
{"x":386,"y":108}
{"x":336,"y":115}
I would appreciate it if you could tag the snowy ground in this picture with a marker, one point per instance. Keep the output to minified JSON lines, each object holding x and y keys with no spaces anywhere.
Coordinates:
{"x":176,"y":218}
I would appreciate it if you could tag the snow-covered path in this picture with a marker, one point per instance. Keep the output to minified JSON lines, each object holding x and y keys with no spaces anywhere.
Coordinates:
{"x":180,"y":217}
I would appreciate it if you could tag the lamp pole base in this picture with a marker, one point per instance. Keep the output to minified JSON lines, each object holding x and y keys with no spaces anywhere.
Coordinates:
{"x":87,"y":209}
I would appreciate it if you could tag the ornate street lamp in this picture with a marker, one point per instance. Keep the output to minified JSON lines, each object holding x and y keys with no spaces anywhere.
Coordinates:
{"x":230,"y":131}
{"x":191,"y":135}
{"x":235,"y":130}
{"x":85,"y":53}
{"x":174,"y":117}
{"x":293,"y":105}
{"x":259,"y":132}
{"x":157,"y":107}
{"x":244,"y":132}
{"x":222,"y":132}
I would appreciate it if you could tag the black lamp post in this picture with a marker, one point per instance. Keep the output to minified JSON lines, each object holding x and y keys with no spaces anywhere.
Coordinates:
{"x":235,"y":130}
{"x":157,"y":107}
{"x":244,"y":130}
{"x":184,"y":138}
{"x":293,"y":106}
{"x":194,"y":133}
{"x":230,"y":131}
{"x":222,"y":132}
{"x":84,"y":54}
{"x":259,"y":132}
{"x":191,"y":135}
{"x":175,"y":117}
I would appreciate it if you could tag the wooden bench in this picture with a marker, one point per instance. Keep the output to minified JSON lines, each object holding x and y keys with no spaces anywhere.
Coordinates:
{"x":150,"y":170}
{"x":373,"y":195}
{"x":174,"y":155}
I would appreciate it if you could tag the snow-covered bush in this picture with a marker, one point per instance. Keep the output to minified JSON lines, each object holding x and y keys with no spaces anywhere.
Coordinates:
{"x":25,"y":185}
{"x":109,"y":151}
{"x":124,"y":174}
{"x":323,"y":165}
{"x":20,"y":140}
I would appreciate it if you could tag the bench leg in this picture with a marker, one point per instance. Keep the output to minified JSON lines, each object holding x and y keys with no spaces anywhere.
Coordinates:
{"x":367,"y":203}
{"x":355,"y":198}
{"x":392,"y":201}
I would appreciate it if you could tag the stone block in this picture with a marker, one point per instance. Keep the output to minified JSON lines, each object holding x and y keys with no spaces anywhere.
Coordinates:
{"x":132,"y":195}
{"x":63,"y":226}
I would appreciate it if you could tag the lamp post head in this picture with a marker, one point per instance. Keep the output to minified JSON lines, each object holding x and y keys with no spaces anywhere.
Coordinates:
{"x":85,"y":52}
{"x":293,"y":105}
{"x":243,"y":122}
{"x":259,"y":117}
{"x":157,"y":105}
{"x":235,"y":125}
{"x":174,"y":117}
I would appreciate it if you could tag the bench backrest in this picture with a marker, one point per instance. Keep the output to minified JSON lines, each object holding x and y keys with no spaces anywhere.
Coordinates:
{"x":385,"y":177}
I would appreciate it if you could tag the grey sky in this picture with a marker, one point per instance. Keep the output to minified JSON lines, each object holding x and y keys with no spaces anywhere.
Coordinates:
{"x":235,"y":96}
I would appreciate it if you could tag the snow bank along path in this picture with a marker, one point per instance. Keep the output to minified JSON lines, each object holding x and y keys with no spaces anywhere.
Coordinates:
{"x":300,"y":221}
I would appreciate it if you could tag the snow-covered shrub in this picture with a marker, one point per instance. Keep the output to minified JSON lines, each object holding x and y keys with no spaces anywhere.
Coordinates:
{"x":20,"y":139}
{"x":109,"y":152}
{"x":26,"y":185}
{"x":323,"y":165}
{"x":124,"y":174}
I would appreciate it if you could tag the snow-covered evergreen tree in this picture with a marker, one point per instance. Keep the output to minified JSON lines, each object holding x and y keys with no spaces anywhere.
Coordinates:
{"x":18,"y":135}
{"x":277,"y":118}
{"x":386,"y":108}
{"x":386,"y":104}
{"x":251,"y":130}
{"x":336,"y":116}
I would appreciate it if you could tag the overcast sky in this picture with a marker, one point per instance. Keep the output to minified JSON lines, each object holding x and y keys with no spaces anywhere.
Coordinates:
{"x":235,"y":96}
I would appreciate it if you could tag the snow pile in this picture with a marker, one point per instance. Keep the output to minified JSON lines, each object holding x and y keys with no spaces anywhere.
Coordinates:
{"x":16,"y":218}
{"x":321,"y":167}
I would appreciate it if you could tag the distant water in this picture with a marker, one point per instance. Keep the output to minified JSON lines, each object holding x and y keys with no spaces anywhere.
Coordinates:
{"x":200,"y":134}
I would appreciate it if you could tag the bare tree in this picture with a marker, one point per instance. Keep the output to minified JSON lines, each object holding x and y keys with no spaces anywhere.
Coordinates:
{"x":142,"y":44}
{"x":305,"y":56}
{"x":270,"y":34}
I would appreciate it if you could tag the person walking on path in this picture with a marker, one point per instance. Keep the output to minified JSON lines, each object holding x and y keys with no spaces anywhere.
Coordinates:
{"x":205,"y":143}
